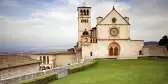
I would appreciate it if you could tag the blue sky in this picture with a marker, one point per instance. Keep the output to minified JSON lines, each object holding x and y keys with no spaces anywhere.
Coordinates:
{"x":52,"y":24}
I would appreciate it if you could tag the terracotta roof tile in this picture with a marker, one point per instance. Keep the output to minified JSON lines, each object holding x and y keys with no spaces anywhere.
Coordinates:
{"x":54,"y":53}
{"x":7,"y":61}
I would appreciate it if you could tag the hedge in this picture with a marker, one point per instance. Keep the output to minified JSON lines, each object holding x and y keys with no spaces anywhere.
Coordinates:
{"x":105,"y":58}
{"x":153,"y":57}
{"x":41,"y":79}
{"x":48,"y":78}
{"x":77,"y":69}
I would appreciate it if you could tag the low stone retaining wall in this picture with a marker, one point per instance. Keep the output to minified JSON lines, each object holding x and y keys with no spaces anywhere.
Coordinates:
{"x":60,"y":71}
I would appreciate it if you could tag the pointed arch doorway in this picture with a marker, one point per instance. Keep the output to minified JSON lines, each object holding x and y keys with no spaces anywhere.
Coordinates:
{"x":114,"y":49}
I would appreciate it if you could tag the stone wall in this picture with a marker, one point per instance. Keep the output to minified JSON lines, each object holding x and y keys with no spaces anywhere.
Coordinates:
{"x":152,"y":50}
{"x":63,"y":60}
{"x":18,"y":71}
{"x":128,"y":49}
{"x":60,"y":71}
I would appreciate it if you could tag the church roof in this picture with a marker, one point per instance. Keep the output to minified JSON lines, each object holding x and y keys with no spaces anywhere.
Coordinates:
{"x":84,"y":7}
{"x":55,"y":53}
{"x":8,"y":61}
{"x":117,"y":12}
{"x":99,"y":17}
{"x":93,"y":28}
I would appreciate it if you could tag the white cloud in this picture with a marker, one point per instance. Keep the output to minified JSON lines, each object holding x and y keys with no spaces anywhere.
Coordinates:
{"x":58,"y":25}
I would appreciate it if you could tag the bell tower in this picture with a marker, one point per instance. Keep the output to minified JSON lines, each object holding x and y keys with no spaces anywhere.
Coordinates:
{"x":84,"y":22}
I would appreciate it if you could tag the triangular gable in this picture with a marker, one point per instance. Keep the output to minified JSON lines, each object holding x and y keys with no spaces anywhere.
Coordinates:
{"x":113,"y":14}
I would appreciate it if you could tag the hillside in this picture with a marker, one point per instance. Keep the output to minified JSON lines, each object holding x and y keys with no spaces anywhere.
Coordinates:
{"x":151,"y":43}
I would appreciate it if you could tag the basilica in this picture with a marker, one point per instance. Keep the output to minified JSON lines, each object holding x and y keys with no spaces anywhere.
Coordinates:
{"x":110,"y":38}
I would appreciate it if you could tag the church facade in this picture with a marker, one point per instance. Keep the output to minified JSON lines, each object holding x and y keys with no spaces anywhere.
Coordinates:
{"x":109,"y":39}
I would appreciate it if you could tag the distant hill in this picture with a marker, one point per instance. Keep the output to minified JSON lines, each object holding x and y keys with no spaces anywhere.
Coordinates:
{"x":25,"y":52}
{"x":151,"y":43}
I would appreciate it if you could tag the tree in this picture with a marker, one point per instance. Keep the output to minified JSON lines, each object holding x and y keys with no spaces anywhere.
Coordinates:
{"x":163,"y":41}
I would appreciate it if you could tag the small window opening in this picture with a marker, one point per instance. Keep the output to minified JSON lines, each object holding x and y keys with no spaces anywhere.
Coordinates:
{"x":87,"y":12}
{"x":91,"y":54}
{"x":140,"y":52}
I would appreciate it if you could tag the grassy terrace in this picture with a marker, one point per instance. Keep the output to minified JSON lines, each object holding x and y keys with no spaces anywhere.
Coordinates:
{"x":121,"y":72}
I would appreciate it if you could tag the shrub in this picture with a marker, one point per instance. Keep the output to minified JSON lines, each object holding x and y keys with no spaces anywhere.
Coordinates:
{"x":77,"y":69}
{"x":153,"y":57}
{"x":40,"y":80}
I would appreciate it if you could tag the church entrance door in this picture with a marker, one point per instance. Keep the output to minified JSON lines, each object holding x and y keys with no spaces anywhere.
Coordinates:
{"x":114,"y":49}
{"x":111,"y":51}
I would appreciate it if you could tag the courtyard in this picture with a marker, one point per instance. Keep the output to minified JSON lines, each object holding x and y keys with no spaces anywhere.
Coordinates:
{"x":121,"y":72}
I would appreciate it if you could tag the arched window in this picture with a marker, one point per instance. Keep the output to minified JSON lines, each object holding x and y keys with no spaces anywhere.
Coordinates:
{"x":44,"y":60}
{"x":81,"y":12}
{"x":87,"y":12}
{"x":47,"y":67}
{"x":84,"y":11}
{"x":140,"y":52}
{"x":82,"y":21}
{"x":47,"y":59}
{"x":43,"y":67}
{"x":40,"y":58}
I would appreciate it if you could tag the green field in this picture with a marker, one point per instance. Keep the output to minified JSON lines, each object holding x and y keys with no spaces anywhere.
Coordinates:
{"x":121,"y":72}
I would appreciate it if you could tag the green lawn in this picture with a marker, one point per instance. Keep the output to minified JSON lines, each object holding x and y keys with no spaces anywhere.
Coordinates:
{"x":121,"y":72}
